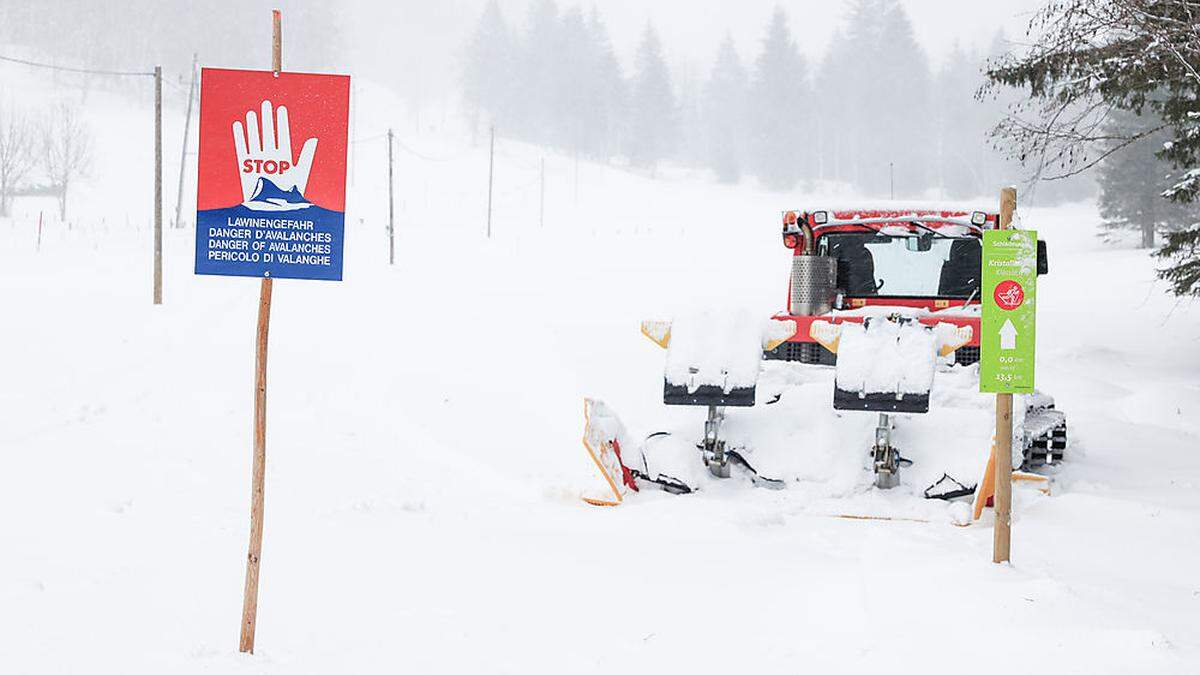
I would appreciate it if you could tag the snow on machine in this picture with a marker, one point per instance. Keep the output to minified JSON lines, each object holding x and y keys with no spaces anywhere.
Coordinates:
{"x":884,"y":297}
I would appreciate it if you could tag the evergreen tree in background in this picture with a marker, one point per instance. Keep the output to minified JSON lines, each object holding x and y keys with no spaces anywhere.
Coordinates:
{"x":606,"y":91}
{"x":779,"y":120}
{"x":573,"y":104}
{"x":488,"y":72}
{"x":872,"y":105}
{"x":1132,"y":182}
{"x":1090,"y":57}
{"x":967,"y":166}
{"x":541,"y":80}
{"x":849,"y":87}
{"x":961,"y":148}
{"x":689,"y":88}
{"x":588,"y":90}
{"x":557,"y":83}
{"x":653,"y":114}
{"x":997,"y":167}
{"x":1001,"y":168}
{"x":724,"y":112}
{"x":886,"y":85}
{"x":837,"y":120}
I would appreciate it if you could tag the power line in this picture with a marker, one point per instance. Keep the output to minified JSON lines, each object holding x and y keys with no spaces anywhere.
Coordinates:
{"x":177,"y":87}
{"x":427,"y":158}
{"x":86,"y":71}
{"x":368,"y":138}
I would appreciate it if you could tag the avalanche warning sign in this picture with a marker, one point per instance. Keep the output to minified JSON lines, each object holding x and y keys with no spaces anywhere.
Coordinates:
{"x":271,"y":193}
{"x":1008,"y":325}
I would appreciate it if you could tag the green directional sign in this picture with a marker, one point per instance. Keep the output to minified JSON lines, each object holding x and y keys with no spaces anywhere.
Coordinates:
{"x":1008,"y":327}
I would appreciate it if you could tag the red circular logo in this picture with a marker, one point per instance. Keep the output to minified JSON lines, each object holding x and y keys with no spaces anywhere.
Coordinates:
{"x":1009,"y":295}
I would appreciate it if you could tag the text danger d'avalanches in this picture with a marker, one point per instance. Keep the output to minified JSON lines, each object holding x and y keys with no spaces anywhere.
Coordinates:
{"x":270,"y":240}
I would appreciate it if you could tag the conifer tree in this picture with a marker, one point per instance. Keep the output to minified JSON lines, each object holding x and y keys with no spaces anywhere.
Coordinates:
{"x":900,"y":127}
{"x":654,"y":116}
{"x":606,"y":95}
{"x":540,"y":79}
{"x":1132,"y":182}
{"x":780,"y":121}
{"x":1089,"y":57}
{"x":488,"y":71}
{"x":724,"y":112}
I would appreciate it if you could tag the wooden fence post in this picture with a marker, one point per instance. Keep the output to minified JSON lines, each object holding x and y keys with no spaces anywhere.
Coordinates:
{"x":391,"y":206}
{"x":158,"y":185}
{"x":491,"y":168}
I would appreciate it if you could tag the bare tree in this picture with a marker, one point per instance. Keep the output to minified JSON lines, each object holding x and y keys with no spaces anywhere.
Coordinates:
{"x":16,"y":155}
{"x":1091,"y":59}
{"x":66,"y":150}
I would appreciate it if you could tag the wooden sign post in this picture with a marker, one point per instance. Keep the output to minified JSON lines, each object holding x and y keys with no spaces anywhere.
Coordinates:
{"x":1002,"y":535}
{"x":1007,"y":358}
{"x":265,"y":211}
{"x":250,"y":596}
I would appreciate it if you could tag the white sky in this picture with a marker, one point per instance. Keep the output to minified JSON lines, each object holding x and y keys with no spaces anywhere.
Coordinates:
{"x":691,"y":29}
{"x":428,"y":36}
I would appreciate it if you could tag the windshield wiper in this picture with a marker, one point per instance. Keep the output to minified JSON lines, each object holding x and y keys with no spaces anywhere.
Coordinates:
{"x":971,"y":297}
{"x":864,"y":226}
{"x":930,"y":230}
{"x":879,"y":230}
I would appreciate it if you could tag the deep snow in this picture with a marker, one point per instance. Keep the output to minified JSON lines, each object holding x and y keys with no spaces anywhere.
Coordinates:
{"x":424,"y":455}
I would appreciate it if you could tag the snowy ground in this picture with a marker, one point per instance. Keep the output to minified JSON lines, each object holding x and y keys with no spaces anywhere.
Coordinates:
{"x":424,"y":461}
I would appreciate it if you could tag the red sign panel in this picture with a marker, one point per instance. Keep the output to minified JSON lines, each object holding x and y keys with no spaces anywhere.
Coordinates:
{"x":271,"y":197}
{"x":1009,"y":295}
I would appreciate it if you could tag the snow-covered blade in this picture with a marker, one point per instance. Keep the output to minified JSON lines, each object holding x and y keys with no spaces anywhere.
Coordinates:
{"x":880,"y":356}
{"x":710,"y":348}
{"x":714,"y":357}
{"x":604,"y":437}
{"x":885,"y":365}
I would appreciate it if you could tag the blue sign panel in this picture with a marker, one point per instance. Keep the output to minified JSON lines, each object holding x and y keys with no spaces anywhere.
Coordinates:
{"x":240,"y":241}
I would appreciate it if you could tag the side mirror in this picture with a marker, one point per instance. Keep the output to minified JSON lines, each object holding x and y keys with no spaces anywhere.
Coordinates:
{"x":1043,"y":261}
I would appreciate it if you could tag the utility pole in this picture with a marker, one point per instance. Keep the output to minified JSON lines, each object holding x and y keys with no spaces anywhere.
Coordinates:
{"x":542,"y":195}
{"x":353,"y":149}
{"x":892,"y":179}
{"x":258,"y":473}
{"x":187,"y":122}
{"x":158,"y":185}
{"x":1002,"y":534}
{"x":391,"y":207}
{"x":491,"y":169}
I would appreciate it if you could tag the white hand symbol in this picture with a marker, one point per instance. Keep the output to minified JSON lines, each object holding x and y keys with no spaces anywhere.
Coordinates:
{"x":263,"y":156}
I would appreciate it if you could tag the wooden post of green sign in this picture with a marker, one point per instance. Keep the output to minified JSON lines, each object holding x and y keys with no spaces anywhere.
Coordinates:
{"x":258,"y":474}
{"x":1002,"y":534}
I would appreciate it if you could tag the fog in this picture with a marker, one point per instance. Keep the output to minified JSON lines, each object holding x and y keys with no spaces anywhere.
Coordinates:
{"x":841,"y":92}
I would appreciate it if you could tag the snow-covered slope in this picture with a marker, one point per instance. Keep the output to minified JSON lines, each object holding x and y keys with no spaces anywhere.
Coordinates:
{"x":424,"y":457}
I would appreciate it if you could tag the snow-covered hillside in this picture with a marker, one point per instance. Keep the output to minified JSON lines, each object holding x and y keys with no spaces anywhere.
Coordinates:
{"x":424,"y":457}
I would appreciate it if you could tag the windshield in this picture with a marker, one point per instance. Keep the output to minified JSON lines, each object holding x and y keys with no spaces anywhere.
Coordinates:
{"x":869,"y":263}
